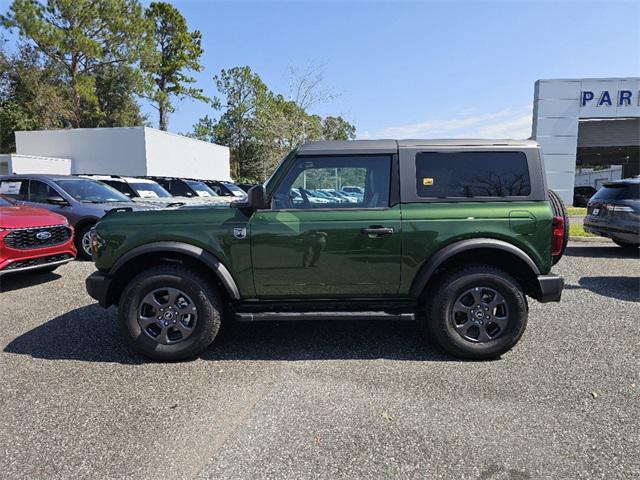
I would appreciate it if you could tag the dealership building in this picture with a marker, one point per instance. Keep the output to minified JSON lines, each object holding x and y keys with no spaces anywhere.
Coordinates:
{"x":588,"y":124}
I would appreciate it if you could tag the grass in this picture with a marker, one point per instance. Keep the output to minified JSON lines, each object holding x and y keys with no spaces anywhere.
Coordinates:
{"x":576,"y":211}
{"x":576,"y":230}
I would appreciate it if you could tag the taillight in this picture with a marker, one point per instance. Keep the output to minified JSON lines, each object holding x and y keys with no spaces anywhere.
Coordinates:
{"x":557,"y":236}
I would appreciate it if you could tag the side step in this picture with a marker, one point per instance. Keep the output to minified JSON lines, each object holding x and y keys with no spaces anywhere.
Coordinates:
{"x":283,"y":316}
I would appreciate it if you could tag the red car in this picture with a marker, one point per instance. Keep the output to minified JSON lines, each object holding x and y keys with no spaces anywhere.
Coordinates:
{"x":33,"y":238}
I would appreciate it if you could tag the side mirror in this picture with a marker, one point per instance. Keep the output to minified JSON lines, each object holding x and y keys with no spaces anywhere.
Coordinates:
{"x":56,"y":200}
{"x":256,"y":199}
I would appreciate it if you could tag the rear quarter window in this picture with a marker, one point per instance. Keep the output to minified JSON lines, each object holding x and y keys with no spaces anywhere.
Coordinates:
{"x":472,"y":174}
{"x":622,"y":191}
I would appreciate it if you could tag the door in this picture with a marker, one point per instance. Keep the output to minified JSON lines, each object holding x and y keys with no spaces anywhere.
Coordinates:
{"x":317,"y":240}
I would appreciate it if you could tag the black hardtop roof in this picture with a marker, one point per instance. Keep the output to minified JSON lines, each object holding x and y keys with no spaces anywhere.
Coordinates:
{"x":391,"y":146}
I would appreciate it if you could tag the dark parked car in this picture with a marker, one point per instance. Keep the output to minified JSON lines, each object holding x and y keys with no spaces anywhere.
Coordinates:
{"x":225,"y":189}
{"x":614,"y":212}
{"x":180,"y":187}
{"x":83,"y":201}
{"x":246,"y":186}
{"x":581,"y":196}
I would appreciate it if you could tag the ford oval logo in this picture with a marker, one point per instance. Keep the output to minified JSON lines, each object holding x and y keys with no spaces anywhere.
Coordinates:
{"x":43,"y":235}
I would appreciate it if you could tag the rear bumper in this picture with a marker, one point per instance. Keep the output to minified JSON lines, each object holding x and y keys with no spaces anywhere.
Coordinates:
{"x":550,"y":288}
{"x":97,"y":285}
{"x":625,"y":232}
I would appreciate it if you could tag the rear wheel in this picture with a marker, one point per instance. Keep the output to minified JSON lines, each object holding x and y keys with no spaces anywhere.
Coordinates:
{"x":170,"y":312}
{"x":478,"y":312}
{"x":559,"y":210}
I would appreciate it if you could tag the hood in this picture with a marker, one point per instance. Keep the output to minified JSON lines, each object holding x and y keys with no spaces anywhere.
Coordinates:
{"x":22,"y":216}
{"x":136,"y":206}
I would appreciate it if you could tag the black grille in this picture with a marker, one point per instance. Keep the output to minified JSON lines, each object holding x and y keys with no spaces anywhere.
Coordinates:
{"x":34,"y":262}
{"x":27,"y":238}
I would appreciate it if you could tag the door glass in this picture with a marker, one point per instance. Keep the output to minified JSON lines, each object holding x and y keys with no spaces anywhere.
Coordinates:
{"x":40,"y":191}
{"x":335,"y":182}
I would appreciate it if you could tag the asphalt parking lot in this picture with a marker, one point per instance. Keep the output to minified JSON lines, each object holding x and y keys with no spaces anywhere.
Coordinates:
{"x":348,"y":399}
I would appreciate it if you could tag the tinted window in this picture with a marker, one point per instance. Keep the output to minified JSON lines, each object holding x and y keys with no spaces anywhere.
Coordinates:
{"x":180,"y":189}
{"x":40,"y":191}
{"x":201,"y":189}
{"x":315,"y":183}
{"x":120,"y":186}
{"x":621,"y":191}
{"x":472,"y":174}
{"x":16,"y":189}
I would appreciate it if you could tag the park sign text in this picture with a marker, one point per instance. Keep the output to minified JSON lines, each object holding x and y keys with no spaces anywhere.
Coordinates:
{"x":605,"y":98}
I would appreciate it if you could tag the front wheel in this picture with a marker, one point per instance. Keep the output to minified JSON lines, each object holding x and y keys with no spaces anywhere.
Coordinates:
{"x":478,"y":312}
{"x":83,"y":242}
{"x":170,"y":312}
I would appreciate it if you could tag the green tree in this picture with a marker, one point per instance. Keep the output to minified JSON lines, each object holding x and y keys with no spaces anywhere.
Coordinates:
{"x":260,"y":127}
{"x":31,"y":95}
{"x":337,"y":128}
{"x":175,"y":52}
{"x":81,"y":36}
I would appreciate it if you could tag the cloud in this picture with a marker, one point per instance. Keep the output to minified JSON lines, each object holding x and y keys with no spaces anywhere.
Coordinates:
{"x":508,"y":123}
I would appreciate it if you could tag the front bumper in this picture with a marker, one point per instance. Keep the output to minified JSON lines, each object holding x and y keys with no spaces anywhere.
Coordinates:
{"x":97,"y":285}
{"x":550,"y":288}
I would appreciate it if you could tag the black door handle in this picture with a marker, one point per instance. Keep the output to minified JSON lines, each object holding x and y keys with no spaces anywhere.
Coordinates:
{"x":376,"y":230}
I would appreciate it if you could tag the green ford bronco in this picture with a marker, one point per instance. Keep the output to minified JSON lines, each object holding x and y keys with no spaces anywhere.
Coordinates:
{"x":456,"y":232}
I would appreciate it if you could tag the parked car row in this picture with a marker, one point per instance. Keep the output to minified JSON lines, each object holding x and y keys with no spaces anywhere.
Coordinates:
{"x":85,"y":199}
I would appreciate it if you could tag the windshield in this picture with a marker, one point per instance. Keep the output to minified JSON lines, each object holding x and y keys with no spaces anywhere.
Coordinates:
{"x":237,"y":191}
{"x":90,"y":191}
{"x":618,"y":191}
{"x":149,"y":190}
{"x":201,"y":189}
{"x":6,"y":202}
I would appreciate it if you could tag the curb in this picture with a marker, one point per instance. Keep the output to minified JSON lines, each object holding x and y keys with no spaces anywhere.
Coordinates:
{"x":589,"y":239}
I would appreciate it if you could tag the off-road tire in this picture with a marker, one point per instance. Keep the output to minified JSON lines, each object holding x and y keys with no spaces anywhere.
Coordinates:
{"x":205,"y":298}
{"x":438,"y":323}
{"x":559,"y":210}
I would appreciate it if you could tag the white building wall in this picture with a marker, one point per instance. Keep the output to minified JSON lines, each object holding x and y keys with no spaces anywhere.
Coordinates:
{"x":16,"y":163}
{"x":134,"y":151}
{"x":558,"y":107}
{"x":178,"y":156}
{"x":115,"y":151}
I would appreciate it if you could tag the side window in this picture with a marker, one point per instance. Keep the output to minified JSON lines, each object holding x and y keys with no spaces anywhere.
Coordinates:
{"x":16,"y":189}
{"x":40,"y":191}
{"x":121,"y":187}
{"x":178,"y":188}
{"x":472,"y":174}
{"x":335,"y":182}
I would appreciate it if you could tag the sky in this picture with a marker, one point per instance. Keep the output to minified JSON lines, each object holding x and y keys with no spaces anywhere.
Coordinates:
{"x":415,"y":69}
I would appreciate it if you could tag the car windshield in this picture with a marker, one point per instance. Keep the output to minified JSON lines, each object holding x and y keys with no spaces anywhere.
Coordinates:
{"x":618,"y":191}
{"x":201,"y":189}
{"x":237,"y":191}
{"x":6,"y":202}
{"x":149,"y":190}
{"x":90,"y":191}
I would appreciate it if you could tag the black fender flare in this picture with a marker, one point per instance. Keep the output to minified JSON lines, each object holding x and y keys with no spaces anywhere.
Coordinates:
{"x":209,"y":259}
{"x":429,"y":268}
